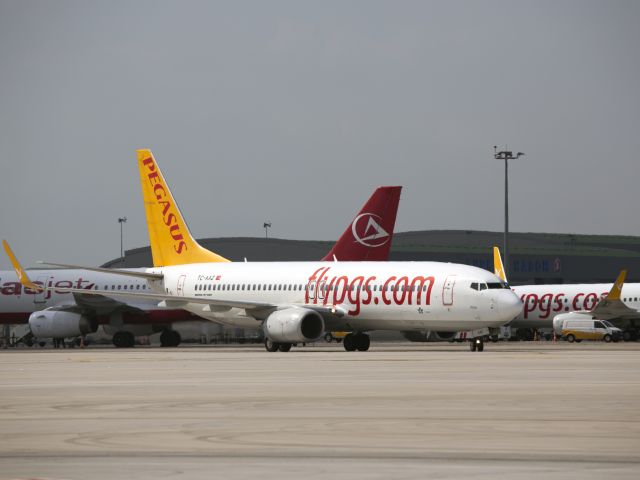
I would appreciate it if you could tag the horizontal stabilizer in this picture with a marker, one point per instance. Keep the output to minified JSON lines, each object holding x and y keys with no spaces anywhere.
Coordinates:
{"x":126,"y":273}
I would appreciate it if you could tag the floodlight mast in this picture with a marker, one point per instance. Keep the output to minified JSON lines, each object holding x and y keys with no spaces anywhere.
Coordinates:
{"x":506,"y":155}
{"x":121,"y":221}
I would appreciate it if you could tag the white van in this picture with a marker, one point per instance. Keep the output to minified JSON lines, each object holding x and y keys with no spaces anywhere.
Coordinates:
{"x":577,"y":330}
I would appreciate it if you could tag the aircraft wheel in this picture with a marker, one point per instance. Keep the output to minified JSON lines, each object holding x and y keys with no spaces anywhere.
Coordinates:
{"x":170,"y":338}
{"x":328,"y":337}
{"x":571,"y":338}
{"x":481,"y":346}
{"x":349,"y":343}
{"x":607,"y":338}
{"x":124,"y":340}
{"x":363,"y":341}
{"x":284,"y":347}
{"x":472,"y":345}
{"x":270,"y":345}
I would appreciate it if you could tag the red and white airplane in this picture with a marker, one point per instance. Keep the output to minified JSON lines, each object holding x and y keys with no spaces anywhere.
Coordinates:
{"x":59,"y":313}
{"x":298,"y":301}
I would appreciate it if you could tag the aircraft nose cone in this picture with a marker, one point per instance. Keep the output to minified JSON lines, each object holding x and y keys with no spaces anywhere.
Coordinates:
{"x":509,"y":305}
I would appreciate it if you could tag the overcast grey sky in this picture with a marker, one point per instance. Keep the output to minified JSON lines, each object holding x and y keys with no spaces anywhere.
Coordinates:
{"x":294,"y":111}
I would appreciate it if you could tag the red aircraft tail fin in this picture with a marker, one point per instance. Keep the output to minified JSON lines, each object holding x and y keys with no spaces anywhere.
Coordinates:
{"x":369,"y":236}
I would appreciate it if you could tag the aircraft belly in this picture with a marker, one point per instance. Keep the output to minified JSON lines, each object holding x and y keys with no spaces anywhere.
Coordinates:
{"x":234,"y":317}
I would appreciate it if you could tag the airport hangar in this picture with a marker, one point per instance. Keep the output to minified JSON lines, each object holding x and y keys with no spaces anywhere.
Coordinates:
{"x":535,"y":258}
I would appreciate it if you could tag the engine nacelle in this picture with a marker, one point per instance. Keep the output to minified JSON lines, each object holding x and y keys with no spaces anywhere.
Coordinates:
{"x":53,"y":324}
{"x":293,"y":325}
{"x":558,"y":320}
{"x":443,"y":336}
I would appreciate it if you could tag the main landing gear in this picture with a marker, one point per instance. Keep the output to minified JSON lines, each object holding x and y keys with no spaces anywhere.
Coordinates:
{"x":170,"y":338}
{"x":356,"y":341}
{"x":272,"y":346}
{"x":124,"y":339}
{"x":476,"y":345}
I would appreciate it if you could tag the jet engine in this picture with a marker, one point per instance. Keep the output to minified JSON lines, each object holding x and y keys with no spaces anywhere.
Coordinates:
{"x":443,"y":336}
{"x":57,"y":324}
{"x":293,"y":325}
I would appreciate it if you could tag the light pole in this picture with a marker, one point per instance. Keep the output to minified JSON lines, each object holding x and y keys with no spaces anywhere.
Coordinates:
{"x":266,"y":226}
{"x":121,"y":221}
{"x":506,"y":155}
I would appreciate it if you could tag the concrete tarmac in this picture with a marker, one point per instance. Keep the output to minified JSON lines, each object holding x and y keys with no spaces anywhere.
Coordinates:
{"x":515,"y":411}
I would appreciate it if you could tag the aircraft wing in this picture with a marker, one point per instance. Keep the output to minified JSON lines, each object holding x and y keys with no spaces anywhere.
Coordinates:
{"x":257,"y":309}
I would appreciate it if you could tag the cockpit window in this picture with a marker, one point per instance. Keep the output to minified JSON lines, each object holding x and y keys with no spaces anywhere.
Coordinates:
{"x":495,"y":285}
{"x":474,"y":286}
{"x":483,"y":286}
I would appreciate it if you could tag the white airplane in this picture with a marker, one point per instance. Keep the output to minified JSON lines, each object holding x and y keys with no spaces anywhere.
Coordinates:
{"x":298,"y":301}
{"x":57,"y":313}
{"x":547,"y":306}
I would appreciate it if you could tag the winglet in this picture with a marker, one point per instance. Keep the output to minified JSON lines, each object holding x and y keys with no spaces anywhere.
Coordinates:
{"x":498,"y":267}
{"x":616,"y":289}
{"x":171,"y":241}
{"x":22,"y":274}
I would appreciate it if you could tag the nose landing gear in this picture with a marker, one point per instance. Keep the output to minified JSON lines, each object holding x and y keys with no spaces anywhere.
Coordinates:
{"x":476,"y":345}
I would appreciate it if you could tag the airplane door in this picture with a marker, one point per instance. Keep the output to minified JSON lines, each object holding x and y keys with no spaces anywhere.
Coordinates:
{"x":180,"y":289}
{"x":447,"y":290}
{"x":40,"y":297}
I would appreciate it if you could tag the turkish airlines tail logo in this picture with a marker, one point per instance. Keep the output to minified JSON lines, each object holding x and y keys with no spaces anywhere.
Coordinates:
{"x":369,"y":236}
{"x":372,"y":235}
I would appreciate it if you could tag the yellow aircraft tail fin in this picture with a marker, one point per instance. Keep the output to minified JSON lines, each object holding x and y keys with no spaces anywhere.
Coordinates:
{"x":498,"y":267}
{"x":21,"y":272}
{"x":616,"y":290}
{"x":171,"y":241}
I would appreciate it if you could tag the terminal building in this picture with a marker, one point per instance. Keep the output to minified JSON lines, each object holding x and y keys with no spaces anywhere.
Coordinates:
{"x":534,"y":258}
